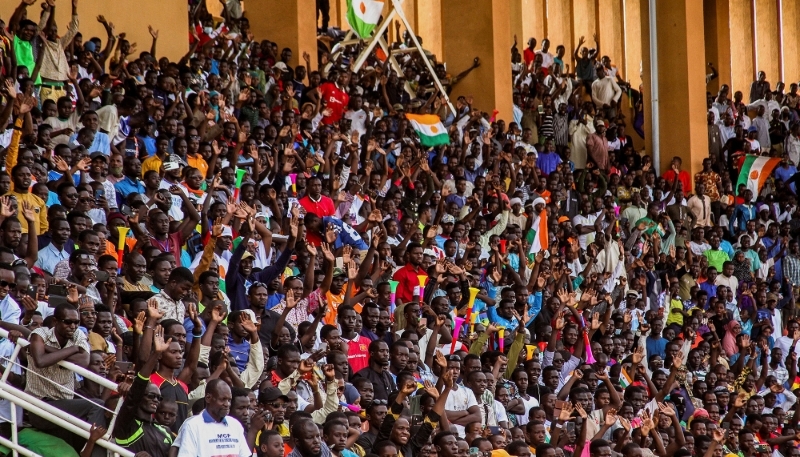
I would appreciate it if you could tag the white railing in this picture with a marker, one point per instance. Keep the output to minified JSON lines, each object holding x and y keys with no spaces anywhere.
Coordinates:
{"x":51,"y":413}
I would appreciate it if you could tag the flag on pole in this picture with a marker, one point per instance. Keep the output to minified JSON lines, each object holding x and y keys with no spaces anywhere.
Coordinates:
{"x":755,"y":171}
{"x":429,"y":128}
{"x":363,"y":16}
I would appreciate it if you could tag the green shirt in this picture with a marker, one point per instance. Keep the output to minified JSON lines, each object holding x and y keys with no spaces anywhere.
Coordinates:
{"x":716,"y":258}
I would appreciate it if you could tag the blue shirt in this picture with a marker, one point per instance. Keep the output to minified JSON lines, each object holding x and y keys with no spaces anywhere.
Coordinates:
{"x":741,"y":215}
{"x":101,"y":143}
{"x":784,"y":174}
{"x":656,"y":346}
{"x":347,"y":234}
{"x":726,"y":246}
{"x":710,"y":289}
{"x":126,"y":187}
{"x":189,"y":326}
{"x":240,"y":352}
{"x":49,"y":257}
{"x":53,"y":175}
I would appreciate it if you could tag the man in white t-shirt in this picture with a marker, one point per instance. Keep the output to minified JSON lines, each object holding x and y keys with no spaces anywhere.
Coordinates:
{"x":461,"y":406}
{"x":210,"y":433}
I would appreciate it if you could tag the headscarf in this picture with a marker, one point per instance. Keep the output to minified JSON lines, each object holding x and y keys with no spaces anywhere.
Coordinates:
{"x":729,"y":341}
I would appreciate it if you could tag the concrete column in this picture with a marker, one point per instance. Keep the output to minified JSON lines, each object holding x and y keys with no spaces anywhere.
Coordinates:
{"x":633,"y":41}
{"x":559,"y":26}
{"x":741,"y":39}
{"x":768,"y":48}
{"x":790,"y":30}
{"x":290,"y":24}
{"x":584,"y":21}
{"x":465,"y":38}
{"x":534,"y":21}
{"x":611,"y":22}
{"x":681,"y":89}
{"x":429,"y":25}
{"x":716,"y":17}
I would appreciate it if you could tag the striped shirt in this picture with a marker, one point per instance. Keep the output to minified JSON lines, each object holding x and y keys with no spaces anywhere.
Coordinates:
{"x":53,"y":382}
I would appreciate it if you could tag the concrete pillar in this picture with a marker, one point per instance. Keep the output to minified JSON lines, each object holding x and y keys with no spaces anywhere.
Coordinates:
{"x":465,"y":38}
{"x":559,"y":27}
{"x":716,"y":17}
{"x":741,"y":35}
{"x":768,"y":48}
{"x":790,"y":30}
{"x":171,"y":21}
{"x":410,"y":8}
{"x":534,"y":21}
{"x":290,"y":24}
{"x":429,"y":25}
{"x":682,"y":129}
{"x":633,"y":41}
{"x":515,"y":30}
{"x":584,"y":22}
{"x":612,"y":30}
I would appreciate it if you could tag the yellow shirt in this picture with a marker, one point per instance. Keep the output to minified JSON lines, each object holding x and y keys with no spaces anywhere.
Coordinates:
{"x":198,"y":162}
{"x":151,"y":163}
{"x":38,"y":206}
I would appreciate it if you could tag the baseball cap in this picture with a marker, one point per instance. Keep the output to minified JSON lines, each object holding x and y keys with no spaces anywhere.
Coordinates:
{"x":246,"y":254}
{"x":176,"y":158}
{"x":339,"y":272}
{"x":448,"y":219}
{"x":271,"y":394}
{"x":98,"y":155}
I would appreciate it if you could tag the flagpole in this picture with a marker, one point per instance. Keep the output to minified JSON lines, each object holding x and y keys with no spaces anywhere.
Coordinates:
{"x":398,"y":10}
{"x":373,"y":42}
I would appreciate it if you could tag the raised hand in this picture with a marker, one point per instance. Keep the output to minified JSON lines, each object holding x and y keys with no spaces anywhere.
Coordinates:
{"x":330,"y":233}
{"x":566,"y":412}
{"x":440,"y":359}
{"x":247,"y":323}
{"x":152,"y":309}
{"x":327,"y":252}
{"x":611,"y":417}
{"x":28,"y":212}
{"x":290,"y":299}
{"x":430,"y":388}
{"x":159,"y":344}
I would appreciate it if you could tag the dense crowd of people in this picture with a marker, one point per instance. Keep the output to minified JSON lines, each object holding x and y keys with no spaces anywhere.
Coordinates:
{"x":268,"y":261}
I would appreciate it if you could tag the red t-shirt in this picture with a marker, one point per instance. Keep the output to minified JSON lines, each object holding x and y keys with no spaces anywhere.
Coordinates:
{"x":357,"y":353}
{"x":408,"y":279}
{"x":323,"y":207}
{"x":683,"y":177}
{"x":335,"y":99}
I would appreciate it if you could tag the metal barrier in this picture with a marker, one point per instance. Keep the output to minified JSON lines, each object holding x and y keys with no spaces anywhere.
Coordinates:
{"x":40,"y":408}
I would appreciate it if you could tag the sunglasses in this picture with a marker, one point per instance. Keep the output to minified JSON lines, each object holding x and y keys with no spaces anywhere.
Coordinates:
{"x":70,"y":322}
{"x":152,"y":396}
{"x":278,"y":405}
{"x":4,"y":283}
{"x":379,"y":402}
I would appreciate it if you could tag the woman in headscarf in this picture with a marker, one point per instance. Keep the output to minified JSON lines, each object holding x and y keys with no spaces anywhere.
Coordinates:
{"x":732,"y":330}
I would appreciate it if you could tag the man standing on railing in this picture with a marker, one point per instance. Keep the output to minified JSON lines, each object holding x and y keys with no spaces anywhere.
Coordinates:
{"x":54,"y":384}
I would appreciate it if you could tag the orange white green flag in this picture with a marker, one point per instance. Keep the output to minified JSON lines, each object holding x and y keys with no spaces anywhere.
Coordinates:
{"x":363,"y":16}
{"x":755,"y":171}
{"x":429,"y":128}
